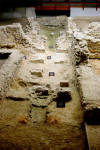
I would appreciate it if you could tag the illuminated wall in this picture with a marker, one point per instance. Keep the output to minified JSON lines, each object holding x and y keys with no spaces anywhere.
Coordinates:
{"x":85,"y":12}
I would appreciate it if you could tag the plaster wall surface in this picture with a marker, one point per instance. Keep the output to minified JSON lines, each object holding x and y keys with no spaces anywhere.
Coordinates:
{"x":21,"y":12}
{"x":85,"y":12}
{"x":30,"y":12}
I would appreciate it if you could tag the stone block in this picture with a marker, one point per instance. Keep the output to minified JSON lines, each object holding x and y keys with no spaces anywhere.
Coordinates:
{"x":37,"y":73}
{"x":17,"y":94}
{"x":37,"y":61}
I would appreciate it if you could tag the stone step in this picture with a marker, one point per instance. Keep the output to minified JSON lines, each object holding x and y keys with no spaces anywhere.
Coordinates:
{"x":61,"y":51}
{"x":17,"y":94}
{"x":37,"y":73}
{"x":60,"y":62}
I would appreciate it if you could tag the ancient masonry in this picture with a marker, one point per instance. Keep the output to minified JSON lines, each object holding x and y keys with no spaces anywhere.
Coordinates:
{"x":50,"y":84}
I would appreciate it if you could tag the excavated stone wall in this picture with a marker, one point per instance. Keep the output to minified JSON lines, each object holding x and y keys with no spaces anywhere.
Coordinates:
{"x":81,"y":54}
{"x":88,"y":76}
{"x":22,"y":34}
{"x":12,"y":36}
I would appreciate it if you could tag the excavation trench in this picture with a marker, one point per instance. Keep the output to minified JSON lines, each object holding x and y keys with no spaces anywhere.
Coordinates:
{"x":51,"y":116}
{"x":64,"y":114}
